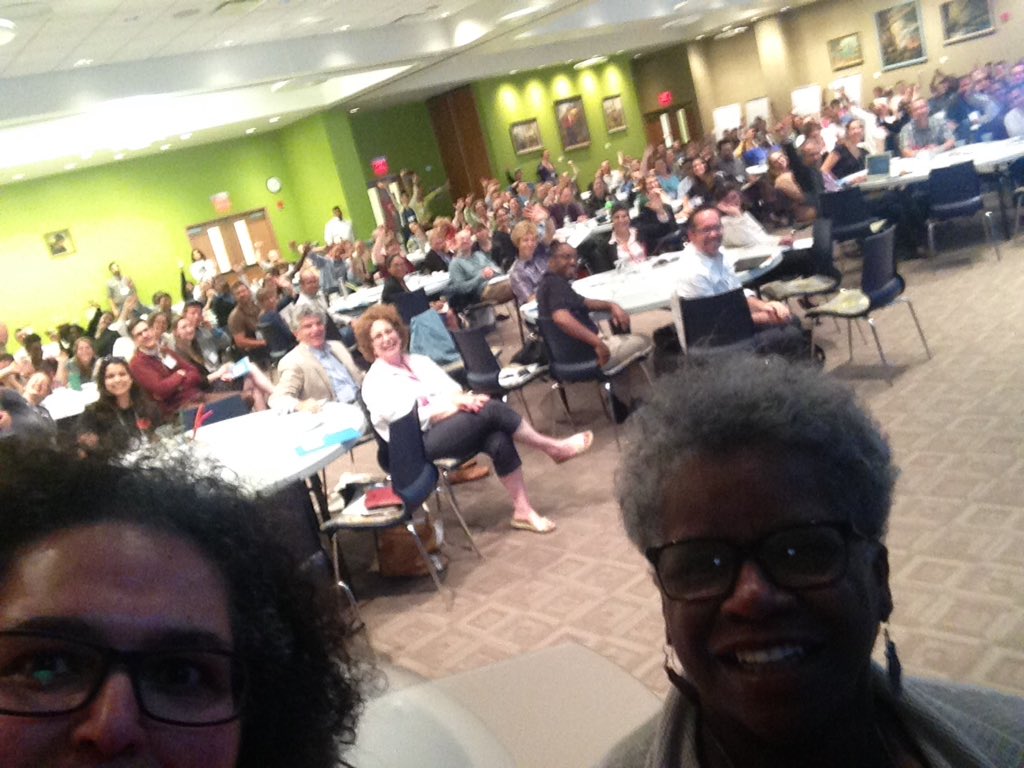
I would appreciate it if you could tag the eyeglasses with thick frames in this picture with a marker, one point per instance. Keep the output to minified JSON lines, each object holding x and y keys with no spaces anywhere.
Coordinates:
{"x":45,"y":675}
{"x":798,"y":557}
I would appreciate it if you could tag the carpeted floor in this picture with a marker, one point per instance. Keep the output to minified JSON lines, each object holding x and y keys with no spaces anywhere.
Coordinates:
{"x":956,"y":541}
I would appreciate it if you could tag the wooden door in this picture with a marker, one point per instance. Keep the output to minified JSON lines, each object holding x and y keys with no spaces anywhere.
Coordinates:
{"x":652,"y":126}
{"x":238,"y":240}
{"x":460,"y":139}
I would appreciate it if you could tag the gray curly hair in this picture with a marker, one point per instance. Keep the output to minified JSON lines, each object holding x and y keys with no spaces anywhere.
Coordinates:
{"x":719,"y":405}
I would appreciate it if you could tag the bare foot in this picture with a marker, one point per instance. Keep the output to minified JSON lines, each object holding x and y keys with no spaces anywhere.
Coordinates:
{"x":573,"y":446}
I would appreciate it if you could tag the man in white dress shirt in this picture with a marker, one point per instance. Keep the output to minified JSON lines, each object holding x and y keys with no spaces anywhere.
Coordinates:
{"x":337,"y":229}
{"x":703,"y":271}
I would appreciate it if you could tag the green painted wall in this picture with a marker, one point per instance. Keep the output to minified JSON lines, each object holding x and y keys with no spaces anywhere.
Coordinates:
{"x":506,"y":100}
{"x":403,"y":134}
{"x":314,"y":187}
{"x":134,"y":212}
{"x":349,"y":170}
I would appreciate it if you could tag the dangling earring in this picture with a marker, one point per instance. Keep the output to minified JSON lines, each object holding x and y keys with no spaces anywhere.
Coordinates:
{"x":892,"y":662}
{"x":671,"y":662}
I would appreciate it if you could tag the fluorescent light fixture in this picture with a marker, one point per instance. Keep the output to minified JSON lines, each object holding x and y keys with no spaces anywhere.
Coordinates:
{"x":677,"y":6}
{"x":279,"y":85}
{"x":512,"y":15}
{"x":164,"y":147}
{"x":70,"y":166}
{"x":524,"y":35}
{"x":783,"y":9}
{"x":250,"y":131}
{"x":701,"y":36}
{"x":8,"y":30}
{"x":593,"y":61}
{"x":513,"y":71}
{"x":274,"y":119}
{"x":82,"y":63}
{"x":225,"y":44}
{"x":119,"y":156}
{"x":343,"y":28}
{"x":185,"y":136}
{"x":353,"y":110}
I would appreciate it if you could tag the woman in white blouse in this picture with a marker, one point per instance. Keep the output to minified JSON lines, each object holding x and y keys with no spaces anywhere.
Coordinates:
{"x":627,"y":248}
{"x":454,"y":423}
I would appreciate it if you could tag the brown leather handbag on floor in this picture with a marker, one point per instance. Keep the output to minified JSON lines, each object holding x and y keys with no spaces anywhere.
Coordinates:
{"x":397,"y":554}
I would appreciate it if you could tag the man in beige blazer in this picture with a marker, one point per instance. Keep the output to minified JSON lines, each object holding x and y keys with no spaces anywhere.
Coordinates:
{"x":317,"y":370}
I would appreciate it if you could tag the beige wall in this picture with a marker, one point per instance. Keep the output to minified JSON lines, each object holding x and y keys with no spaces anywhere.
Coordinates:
{"x":664,"y":70}
{"x":738,"y":70}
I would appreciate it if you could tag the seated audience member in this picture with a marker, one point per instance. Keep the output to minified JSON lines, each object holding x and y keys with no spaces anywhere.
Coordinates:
{"x":100,"y":330}
{"x":212,"y":342}
{"x":703,"y":271}
{"x":470,"y":273}
{"x":152,"y":617}
{"x":760,"y":492}
{"x":254,"y":383}
{"x":243,"y":325}
{"x":310,"y":295}
{"x":272,"y":325}
{"x":1013,"y":121}
{"x":222,"y":302}
{"x":531,"y":259}
{"x":417,"y":239}
{"x":751,"y":150}
{"x":624,"y":245}
{"x":331,"y":265}
{"x":123,"y":418}
{"x":655,"y":220}
{"x":727,"y":164}
{"x":566,"y":210}
{"x":557,"y":300}
{"x":160,"y":322}
{"x":317,"y":370}
{"x":600,"y":196}
{"x":546,"y":171}
{"x":667,"y":179}
{"x":438,"y":259}
{"x":171,"y":380}
{"x":82,"y":364}
{"x":924,"y":133}
{"x":4,"y":337}
{"x":848,"y":156}
{"x":698,"y":185}
{"x":503,"y":250}
{"x":14,"y":373}
{"x":455,"y":423}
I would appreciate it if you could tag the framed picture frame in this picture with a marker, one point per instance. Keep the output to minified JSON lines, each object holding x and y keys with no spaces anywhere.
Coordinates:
{"x":845,"y":51}
{"x":966,"y":19}
{"x":900,"y":35}
{"x":59,"y":243}
{"x":525,"y":136}
{"x":572,"y":123}
{"x":614,"y":115}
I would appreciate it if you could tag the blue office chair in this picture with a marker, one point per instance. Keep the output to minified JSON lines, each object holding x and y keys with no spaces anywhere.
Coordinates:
{"x":219,"y":410}
{"x":414,"y":478}
{"x":410,"y":304}
{"x":484,"y":373}
{"x":719,"y":323}
{"x":954,"y":192}
{"x":849,"y":213}
{"x":824,"y":277}
{"x":880,"y":286}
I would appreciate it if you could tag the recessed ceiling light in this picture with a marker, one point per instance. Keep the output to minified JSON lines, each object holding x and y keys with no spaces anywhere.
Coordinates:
{"x":524,"y":35}
{"x":679,"y":5}
{"x":343,"y":28}
{"x":446,"y":14}
{"x":119,"y":156}
{"x":279,"y":85}
{"x":701,"y":37}
{"x":225,"y":44}
{"x":310,"y":20}
{"x":783,"y":9}
{"x":637,"y":55}
{"x":87,"y":155}
{"x":517,"y":14}
{"x":164,"y":147}
{"x":18,"y":176}
{"x":185,"y":136}
{"x":70,"y":166}
{"x":8,"y":29}
{"x":620,"y":51}
{"x":82,"y":63}
{"x":513,"y":71}
{"x":353,"y":110}
{"x":274,"y":119}
{"x":591,"y":62}
{"x":250,"y":131}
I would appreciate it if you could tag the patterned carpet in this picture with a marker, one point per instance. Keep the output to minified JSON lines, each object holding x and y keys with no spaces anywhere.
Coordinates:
{"x":956,"y":542}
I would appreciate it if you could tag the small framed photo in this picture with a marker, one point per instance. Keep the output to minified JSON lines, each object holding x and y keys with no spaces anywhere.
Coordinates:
{"x":614,"y":115}
{"x":965,"y":19}
{"x":59,"y":243}
{"x":900,"y":37}
{"x":845,"y":51}
{"x":572,"y":123}
{"x":526,"y":136}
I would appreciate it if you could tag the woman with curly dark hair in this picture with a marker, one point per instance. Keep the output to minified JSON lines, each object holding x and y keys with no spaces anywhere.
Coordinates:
{"x":148,"y":618}
{"x":123,"y":416}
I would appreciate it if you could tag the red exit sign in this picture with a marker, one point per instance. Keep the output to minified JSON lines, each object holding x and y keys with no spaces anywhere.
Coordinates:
{"x":380,"y":166}
{"x":665,"y":99}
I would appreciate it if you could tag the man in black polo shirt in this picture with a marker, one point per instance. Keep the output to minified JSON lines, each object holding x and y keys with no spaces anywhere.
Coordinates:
{"x":570,"y":311}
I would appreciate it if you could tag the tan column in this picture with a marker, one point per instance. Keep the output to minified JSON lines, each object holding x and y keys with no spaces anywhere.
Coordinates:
{"x":776,"y":65}
{"x":703,"y":83}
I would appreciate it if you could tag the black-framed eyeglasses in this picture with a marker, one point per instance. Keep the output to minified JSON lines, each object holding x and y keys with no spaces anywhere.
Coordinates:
{"x":45,"y":675}
{"x":798,"y":557}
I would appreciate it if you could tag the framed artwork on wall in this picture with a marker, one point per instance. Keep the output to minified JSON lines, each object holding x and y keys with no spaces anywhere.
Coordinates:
{"x":525,"y":136}
{"x":900,"y":36}
{"x":964,"y":19}
{"x":572,"y":123}
{"x":614,"y":115}
{"x":845,"y":51}
{"x":59,"y":243}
